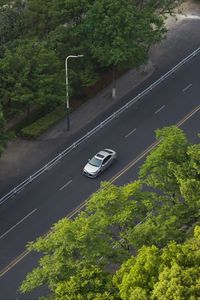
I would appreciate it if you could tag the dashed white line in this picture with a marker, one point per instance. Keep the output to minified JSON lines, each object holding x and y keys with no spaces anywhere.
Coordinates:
{"x":157,"y":111}
{"x":187,"y":87}
{"x":130,"y":132}
{"x":18,"y":223}
{"x":66,"y":184}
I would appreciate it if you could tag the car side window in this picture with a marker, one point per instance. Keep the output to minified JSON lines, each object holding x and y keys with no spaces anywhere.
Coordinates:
{"x":106,"y":159}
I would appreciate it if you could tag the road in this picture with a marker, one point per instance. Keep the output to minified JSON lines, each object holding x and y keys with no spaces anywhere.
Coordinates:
{"x":59,"y":191}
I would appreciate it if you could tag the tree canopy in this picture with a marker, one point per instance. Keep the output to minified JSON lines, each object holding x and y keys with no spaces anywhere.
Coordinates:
{"x":120,"y":32}
{"x":109,"y":33}
{"x":133,"y":241}
{"x":162,"y":274}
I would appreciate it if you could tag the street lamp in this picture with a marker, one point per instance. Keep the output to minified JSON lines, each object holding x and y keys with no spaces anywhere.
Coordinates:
{"x":67,"y":85}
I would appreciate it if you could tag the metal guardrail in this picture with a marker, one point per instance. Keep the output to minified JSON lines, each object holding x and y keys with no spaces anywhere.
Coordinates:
{"x":51,"y":163}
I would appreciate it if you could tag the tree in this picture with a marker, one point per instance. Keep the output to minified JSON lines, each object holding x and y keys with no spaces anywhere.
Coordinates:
{"x":138,"y":274}
{"x":3,"y":135}
{"x":110,"y":34}
{"x":162,"y":274}
{"x":158,"y":171}
{"x":11,"y":21}
{"x":161,"y":6}
{"x":130,"y":229}
{"x":75,"y":249}
{"x":88,"y":283}
{"x":38,"y":21}
{"x":41,"y":17}
{"x":177,"y":283}
{"x":187,"y":175}
{"x":118,"y":32}
{"x":91,"y":239}
{"x":179,"y":274}
{"x":170,"y":169}
{"x":28,"y":81}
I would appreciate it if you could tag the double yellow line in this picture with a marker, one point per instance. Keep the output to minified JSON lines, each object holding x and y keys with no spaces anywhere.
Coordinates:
{"x":113,"y":179}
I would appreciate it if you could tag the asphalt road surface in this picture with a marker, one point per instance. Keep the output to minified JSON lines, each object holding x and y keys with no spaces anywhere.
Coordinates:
{"x":63,"y":188}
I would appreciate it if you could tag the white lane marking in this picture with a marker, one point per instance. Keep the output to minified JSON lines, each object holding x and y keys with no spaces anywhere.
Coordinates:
{"x":18,"y":223}
{"x":157,"y":111}
{"x":66,"y":184}
{"x":187,"y":87}
{"x":130,"y":132}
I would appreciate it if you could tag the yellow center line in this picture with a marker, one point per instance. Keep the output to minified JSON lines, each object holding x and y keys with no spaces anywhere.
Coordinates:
{"x":113,"y":179}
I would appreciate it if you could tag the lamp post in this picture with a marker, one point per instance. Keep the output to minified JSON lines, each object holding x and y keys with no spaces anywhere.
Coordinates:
{"x":67,"y":86}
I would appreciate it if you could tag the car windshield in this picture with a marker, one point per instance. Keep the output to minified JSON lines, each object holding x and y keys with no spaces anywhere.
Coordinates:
{"x":95,"y":162}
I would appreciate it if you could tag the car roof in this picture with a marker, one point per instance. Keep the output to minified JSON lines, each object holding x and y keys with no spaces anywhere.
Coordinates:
{"x":102,"y":154}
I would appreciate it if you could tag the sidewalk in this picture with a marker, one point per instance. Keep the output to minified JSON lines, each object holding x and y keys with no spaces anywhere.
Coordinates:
{"x":22,"y":156}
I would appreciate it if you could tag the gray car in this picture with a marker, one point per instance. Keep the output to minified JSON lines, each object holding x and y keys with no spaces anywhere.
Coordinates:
{"x":98,"y":163}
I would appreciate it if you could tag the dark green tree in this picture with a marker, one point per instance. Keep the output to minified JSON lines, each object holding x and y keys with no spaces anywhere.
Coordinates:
{"x":11,"y":21}
{"x":30,"y":76}
{"x":3,"y":135}
{"x":160,"y":6}
{"x":120,"y":33}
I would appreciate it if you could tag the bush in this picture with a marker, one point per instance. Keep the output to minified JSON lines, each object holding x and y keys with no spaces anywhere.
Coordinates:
{"x":40,"y":126}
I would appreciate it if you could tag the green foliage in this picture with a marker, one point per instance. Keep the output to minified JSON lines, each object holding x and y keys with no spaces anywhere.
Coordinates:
{"x":34,"y":81}
{"x":158,"y":169}
{"x":72,"y":248}
{"x":138,"y":273}
{"x":162,"y":6}
{"x":36,"y":37}
{"x":89,"y":283}
{"x":120,"y":33}
{"x":130,"y":229}
{"x":40,"y":126}
{"x":4,"y":136}
{"x":169,"y":273}
{"x":11,"y":21}
{"x":38,"y":18}
{"x":187,"y":175}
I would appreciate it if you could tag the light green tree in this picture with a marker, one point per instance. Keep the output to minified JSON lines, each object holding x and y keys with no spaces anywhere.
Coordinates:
{"x":77,"y":250}
{"x":131,"y":229}
{"x":179,"y":273}
{"x":188,"y":176}
{"x":91,"y":239}
{"x":138,"y":275}
{"x":162,"y":274}
{"x":158,"y":170}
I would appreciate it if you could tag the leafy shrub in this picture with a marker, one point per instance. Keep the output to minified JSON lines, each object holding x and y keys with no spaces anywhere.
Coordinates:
{"x":40,"y":126}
